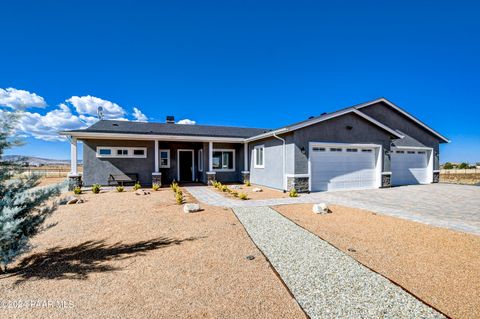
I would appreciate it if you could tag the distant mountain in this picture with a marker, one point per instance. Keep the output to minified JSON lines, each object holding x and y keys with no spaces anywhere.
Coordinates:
{"x":35,"y":161}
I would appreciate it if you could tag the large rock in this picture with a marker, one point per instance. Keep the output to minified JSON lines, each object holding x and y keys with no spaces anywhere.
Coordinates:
{"x":320,"y":208}
{"x":257,"y":190}
{"x":191,"y":208}
{"x":141,"y":192}
{"x":236,"y":187}
{"x":73,"y":200}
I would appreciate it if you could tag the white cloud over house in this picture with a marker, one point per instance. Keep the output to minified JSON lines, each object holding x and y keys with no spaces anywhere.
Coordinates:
{"x":187,"y":122}
{"x":20,"y":99}
{"x":76,"y":113}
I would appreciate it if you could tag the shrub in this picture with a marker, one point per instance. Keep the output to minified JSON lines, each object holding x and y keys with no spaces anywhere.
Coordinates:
{"x":179,"y":198}
{"x":174,"y":186}
{"x":218,"y":185}
{"x":24,"y":207}
{"x":96,"y":188}
{"x":293,"y":193}
{"x":155,"y":186}
{"x":120,"y":189}
{"x":224,"y":188}
{"x":77,"y":190}
{"x":448,"y":165}
{"x":234,"y":193}
{"x":243,"y":196}
{"x":137,"y":186}
{"x":247,"y":183}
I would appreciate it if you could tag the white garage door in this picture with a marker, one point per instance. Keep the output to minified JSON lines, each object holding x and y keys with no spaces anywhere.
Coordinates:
{"x":336,"y":168}
{"x":409,"y":167}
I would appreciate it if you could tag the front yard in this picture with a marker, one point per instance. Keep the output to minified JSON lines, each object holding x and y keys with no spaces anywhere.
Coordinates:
{"x":139,"y":256}
{"x":439,"y":266}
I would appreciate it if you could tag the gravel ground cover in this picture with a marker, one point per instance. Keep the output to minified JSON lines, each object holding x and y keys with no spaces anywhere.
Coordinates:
{"x":326,"y":282}
{"x":439,"y":266}
{"x":121,"y":255}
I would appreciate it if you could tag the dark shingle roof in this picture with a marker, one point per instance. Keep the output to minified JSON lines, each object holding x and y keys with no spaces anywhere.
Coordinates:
{"x":127,"y":127}
{"x":407,"y":141}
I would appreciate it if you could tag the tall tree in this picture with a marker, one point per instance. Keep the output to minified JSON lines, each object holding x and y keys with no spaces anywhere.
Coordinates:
{"x":24,"y":207}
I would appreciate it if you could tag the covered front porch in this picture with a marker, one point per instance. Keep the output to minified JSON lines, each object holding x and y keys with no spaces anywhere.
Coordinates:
{"x":161,"y":160}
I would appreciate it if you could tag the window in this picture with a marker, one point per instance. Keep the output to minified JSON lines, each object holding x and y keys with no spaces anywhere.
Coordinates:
{"x":223,"y":160}
{"x":122,"y":152}
{"x":400,"y":152}
{"x":104,"y":151}
{"x":119,"y":152}
{"x":335,"y":149}
{"x":411,"y":152}
{"x":352,"y":150}
{"x":421,"y":152}
{"x":318,"y":149}
{"x":164,"y":158}
{"x":259,"y":152}
{"x":366,"y":151}
{"x":200,"y":160}
{"x":138,"y":152}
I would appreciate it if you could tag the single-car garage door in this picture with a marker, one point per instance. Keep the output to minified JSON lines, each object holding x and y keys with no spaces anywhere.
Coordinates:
{"x":409,"y":167}
{"x":337,"y":168}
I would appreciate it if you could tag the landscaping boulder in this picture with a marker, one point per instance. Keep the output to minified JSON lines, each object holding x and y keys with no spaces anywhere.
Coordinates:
{"x":257,"y":190}
{"x":141,"y":192}
{"x":73,"y":200}
{"x":320,"y":208}
{"x":236,"y":187}
{"x":191,"y":208}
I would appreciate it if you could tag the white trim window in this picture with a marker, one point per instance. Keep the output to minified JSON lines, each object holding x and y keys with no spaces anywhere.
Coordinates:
{"x":164,"y":158}
{"x":121,"y":152}
{"x":259,"y":156}
{"x":223,"y":160}
{"x":200,"y":160}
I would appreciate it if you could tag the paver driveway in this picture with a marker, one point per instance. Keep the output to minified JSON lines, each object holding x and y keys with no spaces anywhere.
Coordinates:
{"x":445,"y":205}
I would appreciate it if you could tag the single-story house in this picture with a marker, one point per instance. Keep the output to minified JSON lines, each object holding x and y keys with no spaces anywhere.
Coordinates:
{"x":370,"y":145}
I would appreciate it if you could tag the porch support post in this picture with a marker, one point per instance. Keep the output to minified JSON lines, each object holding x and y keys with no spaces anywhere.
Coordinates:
{"x":73,"y":156}
{"x":211,"y":175}
{"x":156,"y":157}
{"x":245,"y":157}
{"x":210,"y":156}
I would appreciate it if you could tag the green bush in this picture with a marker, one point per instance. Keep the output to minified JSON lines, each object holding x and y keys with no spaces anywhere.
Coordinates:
{"x":293,"y":193}
{"x":96,"y":188}
{"x":224,"y":188}
{"x":448,"y":165}
{"x":243,"y":196}
{"x":77,"y":190}
{"x":155,"y":186}
{"x":120,"y":189}
{"x":137,"y":186}
{"x":247,"y":183}
{"x":174,"y":186}
{"x":179,"y":198}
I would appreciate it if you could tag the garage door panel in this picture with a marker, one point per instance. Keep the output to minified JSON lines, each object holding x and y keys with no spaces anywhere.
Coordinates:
{"x":336,"y":170}
{"x":409,"y":167}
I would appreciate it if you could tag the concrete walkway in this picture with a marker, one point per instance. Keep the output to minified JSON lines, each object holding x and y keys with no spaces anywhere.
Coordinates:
{"x":326,"y":282}
{"x":456,"y":207}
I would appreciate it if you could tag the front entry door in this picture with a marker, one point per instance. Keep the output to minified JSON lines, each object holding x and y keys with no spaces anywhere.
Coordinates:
{"x":185,"y":165}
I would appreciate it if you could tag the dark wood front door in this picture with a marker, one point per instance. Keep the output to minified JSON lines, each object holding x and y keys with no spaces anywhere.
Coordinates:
{"x":185,"y":159}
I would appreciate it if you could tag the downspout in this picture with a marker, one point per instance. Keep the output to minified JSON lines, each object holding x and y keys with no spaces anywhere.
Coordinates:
{"x":284,"y":161}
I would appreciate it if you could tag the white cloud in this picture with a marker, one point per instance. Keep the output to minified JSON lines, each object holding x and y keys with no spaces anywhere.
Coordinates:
{"x":88,"y":105}
{"x":46,"y":126}
{"x":139,"y":116}
{"x":20,"y":99}
{"x":187,"y":122}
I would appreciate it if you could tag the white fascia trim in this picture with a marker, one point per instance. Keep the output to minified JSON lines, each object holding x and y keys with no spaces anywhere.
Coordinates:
{"x":145,"y":137}
{"x":324,"y":118}
{"x":327,"y":144}
{"x":297,"y":175}
{"x":404,"y":113}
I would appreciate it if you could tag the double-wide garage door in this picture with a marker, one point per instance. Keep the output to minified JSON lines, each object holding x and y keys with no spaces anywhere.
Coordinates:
{"x":337,"y":168}
{"x":409,"y":167}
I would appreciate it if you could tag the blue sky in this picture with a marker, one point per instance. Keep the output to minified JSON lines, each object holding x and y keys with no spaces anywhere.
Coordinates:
{"x":246,"y":63}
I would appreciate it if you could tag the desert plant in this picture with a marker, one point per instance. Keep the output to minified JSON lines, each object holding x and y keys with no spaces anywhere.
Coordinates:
{"x":179,"y":198}
{"x":96,"y":188}
{"x":463,"y":165}
{"x":137,"y":186}
{"x":155,"y":186}
{"x":224,"y":188}
{"x":77,"y":190}
{"x":448,"y":165}
{"x":243,"y":196}
{"x":234,"y":193}
{"x":174,"y":186}
{"x":120,"y":189}
{"x":23,"y":205}
{"x":247,"y":183}
{"x":293,"y":192}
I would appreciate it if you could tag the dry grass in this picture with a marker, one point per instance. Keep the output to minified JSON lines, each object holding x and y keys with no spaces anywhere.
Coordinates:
{"x":440,"y":266}
{"x":127,"y":256}
{"x":51,"y":180}
{"x":461,"y":178}
{"x":266,"y":193}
